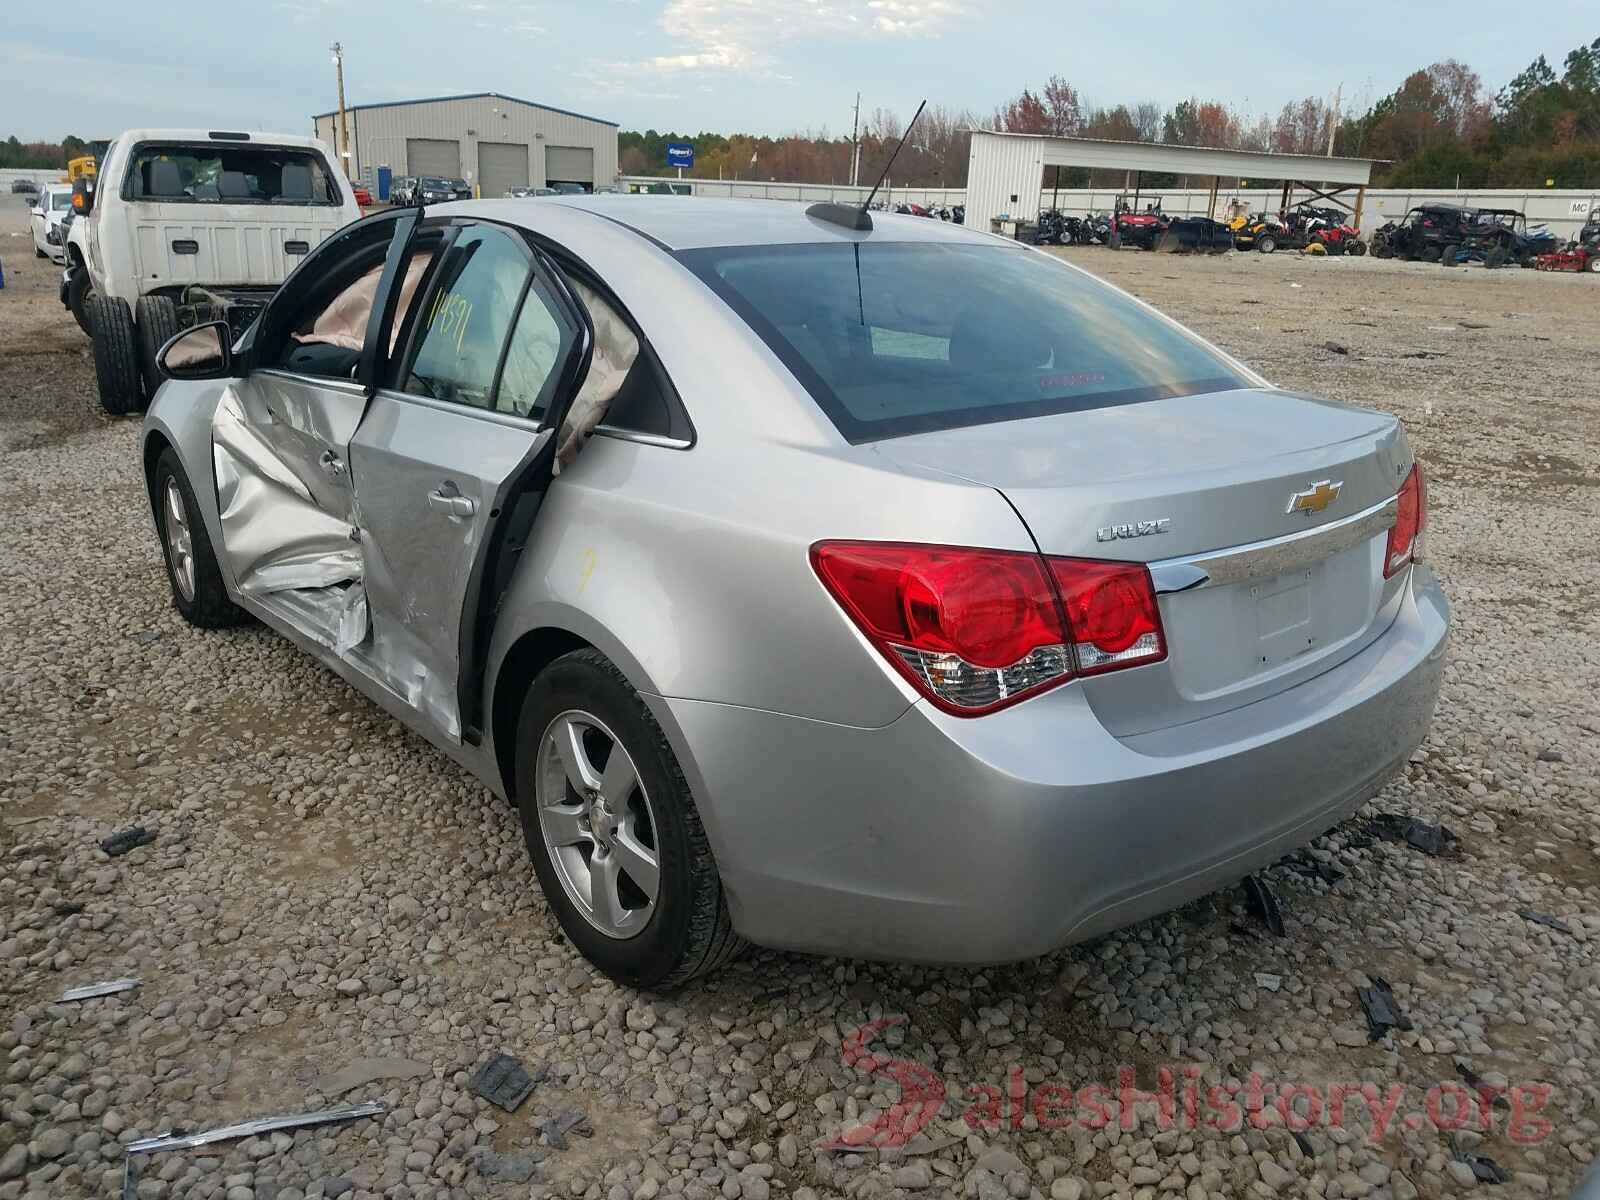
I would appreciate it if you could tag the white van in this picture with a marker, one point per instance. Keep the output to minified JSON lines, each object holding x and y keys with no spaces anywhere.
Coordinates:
{"x":180,"y":219}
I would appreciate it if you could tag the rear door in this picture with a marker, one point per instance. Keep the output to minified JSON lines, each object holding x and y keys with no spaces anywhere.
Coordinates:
{"x":452,"y":457}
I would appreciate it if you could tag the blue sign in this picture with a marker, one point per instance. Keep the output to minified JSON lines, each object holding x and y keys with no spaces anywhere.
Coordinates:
{"x":680,"y":154}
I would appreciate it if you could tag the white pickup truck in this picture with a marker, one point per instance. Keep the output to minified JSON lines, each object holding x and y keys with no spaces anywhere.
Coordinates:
{"x":184,"y":224}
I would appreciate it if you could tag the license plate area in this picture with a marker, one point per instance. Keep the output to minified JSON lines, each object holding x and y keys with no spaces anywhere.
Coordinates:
{"x":1285,"y":627}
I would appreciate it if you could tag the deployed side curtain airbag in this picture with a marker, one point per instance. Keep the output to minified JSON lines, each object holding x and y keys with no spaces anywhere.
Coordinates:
{"x":344,"y":322}
{"x":615,"y":351}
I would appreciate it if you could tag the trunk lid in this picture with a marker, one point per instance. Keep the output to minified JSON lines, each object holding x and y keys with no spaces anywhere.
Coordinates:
{"x":1187,"y":477}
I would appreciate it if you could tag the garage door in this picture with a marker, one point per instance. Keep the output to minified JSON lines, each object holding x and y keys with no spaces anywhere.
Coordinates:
{"x":569,"y":164}
{"x":501,"y":167}
{"x":432,"y":156}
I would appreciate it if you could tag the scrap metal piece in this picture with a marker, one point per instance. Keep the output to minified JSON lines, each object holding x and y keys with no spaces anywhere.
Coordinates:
{"x":1260,"y":900}
{"x":89,"y":991}
{"x":1313,"y":868}
{"x":514,"y":1168}
{"x":1484,"y":1167}
{"x":124,"y":840}
{"x":369,"y":1070}
{"x":258,"y":1125}
{"x":1474,"y":1081}
{"x":1383,"y":1010}
{"x":553,"y":1129}
{"x":1432,"y":840}
{"x":1545,"y":919}
{"x":505,"y":1083}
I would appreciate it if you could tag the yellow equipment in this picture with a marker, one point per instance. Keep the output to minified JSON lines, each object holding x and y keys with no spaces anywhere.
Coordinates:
{"x":80,"y":168}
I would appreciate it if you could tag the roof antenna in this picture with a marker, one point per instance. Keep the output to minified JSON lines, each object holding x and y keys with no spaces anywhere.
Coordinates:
{"x":848,"y":215}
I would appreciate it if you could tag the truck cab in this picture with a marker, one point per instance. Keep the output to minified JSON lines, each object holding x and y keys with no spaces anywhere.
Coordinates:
{"x":181,"y":224}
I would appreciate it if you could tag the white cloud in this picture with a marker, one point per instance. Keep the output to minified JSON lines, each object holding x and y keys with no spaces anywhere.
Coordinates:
{"x":743,"y":35}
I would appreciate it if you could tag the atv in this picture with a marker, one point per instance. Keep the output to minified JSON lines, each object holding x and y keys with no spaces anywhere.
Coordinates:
{"x":1327,"y":227}
{"x":1428,"y":233}
{"x":1142,"y":229}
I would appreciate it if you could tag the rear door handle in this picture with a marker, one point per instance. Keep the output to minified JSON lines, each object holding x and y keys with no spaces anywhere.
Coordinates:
{"x":452,"y":503}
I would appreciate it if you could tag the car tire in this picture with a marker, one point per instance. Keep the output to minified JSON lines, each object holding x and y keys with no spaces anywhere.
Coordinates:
{"x":684,"y":931}
{"x":1266,"y":243}
{"x":79,"y":292}
{"x":116,"y":355}
{"x":156,"y":319}
{"x":198,"y":592}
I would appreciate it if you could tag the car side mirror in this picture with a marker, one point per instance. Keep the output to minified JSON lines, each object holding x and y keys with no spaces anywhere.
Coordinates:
{"x":82,"y":197}
{"x":201,"y":352}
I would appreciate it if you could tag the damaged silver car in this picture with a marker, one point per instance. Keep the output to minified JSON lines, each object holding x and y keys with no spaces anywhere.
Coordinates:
{"x":868,"y":586}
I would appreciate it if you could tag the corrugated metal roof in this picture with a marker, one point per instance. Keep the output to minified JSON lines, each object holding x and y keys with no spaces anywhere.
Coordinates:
{"x":1211,"y":150}
{"x":468,"y":96}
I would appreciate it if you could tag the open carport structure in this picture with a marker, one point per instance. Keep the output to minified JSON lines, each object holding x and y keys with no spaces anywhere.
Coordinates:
{"x":1006,"y":171}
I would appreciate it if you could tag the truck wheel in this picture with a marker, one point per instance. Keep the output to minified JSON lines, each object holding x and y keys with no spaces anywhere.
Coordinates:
{"x":79,"y":290}
{"x":156,"y":318}
{"x":116,"y":355}
{"x":198,"y":592}
{"x":612,"y":829}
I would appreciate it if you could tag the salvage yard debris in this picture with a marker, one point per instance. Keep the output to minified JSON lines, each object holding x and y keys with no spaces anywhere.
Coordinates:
{"x":1397,"y":827}
{"x":553,"y":1129}
{"x":506,"y":1083}
{"x":125,"y":840}
{"x":1383,"y":1010}
{"x":369,"y":1070}
{"x":1263,"y":904}
{"x":1545,"y":919}
{"x":1484,"y":1167}
{"x":226,"y":1133}
{"x":89,"y":991}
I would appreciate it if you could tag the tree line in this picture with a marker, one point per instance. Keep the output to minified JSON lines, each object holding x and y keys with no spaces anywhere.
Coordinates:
{"x":41,"y":156}
{"x":1439,"y":128}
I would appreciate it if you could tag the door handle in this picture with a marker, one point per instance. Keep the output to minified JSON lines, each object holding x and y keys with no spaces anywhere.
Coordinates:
{"x":452,"y":503}
{"x":332,"y":463}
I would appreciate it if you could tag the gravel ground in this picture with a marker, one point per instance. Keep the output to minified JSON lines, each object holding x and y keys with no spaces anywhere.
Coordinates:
{"x":324,"y":888}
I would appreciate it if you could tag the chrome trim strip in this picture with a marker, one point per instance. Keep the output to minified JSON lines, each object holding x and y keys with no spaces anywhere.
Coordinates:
{"x":1276,"y":556}
{"x":644,"y":439}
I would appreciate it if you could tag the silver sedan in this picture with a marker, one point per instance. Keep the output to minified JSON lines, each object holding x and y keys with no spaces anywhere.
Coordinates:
{"x":865,"y":586}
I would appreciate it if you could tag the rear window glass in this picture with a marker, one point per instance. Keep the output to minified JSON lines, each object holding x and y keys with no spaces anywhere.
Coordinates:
{"x":898,"y":338}
{"x":230,"y":175}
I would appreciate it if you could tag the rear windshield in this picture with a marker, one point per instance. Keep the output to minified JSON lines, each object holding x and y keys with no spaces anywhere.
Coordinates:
{"x":229,"y":175}
{"x":899,"y":338}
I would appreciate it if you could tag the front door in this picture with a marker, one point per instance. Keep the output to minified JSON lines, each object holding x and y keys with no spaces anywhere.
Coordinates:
{"x":452,"y":457}
{"x":280,"y":439}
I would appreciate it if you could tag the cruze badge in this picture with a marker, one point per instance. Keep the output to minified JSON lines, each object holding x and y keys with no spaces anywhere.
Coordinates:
{"x":1112,"y":533}
{"x":1315,"y":498}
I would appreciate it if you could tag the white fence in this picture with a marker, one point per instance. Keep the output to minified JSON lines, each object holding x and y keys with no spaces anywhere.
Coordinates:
{"x":40,"y":176}
{"x":1563,"y":211}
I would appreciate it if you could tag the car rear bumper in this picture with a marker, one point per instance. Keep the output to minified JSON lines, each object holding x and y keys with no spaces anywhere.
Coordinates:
{"x":944,"y":839}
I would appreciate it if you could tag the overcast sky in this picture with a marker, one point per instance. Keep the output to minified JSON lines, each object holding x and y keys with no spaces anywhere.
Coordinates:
{"x":94,"y":67}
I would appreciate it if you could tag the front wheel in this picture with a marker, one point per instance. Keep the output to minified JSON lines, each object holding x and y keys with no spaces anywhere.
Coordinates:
{"x":1266,"y":243}
{"x":1356,"y":248}
{"x":1593,"y":265}
{"x":198,"y":592}
{"x":613,"y":831}
{"x":79,"y":293}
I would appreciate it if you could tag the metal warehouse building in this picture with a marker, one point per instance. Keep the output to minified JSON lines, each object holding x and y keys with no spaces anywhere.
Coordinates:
{"x":492,"y":141}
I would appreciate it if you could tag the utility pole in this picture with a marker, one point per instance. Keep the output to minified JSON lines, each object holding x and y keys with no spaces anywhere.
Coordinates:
{"x":1333,"y":117}
{"x":855,"y":143}
{"x":344,"y":125}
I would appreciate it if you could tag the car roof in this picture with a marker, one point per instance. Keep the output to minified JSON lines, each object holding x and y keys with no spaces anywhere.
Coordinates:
{"x":694,"y":222}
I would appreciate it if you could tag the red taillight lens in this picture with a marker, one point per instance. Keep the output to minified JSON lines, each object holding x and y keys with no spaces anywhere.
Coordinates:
{"x":1111,"y":610}
{"x":976,"y":630}
{"x":1410,"y":520}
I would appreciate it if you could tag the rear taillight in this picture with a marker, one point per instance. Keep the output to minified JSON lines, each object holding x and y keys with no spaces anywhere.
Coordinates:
{"x":976,"y":630}
{"x":1411,"y":518}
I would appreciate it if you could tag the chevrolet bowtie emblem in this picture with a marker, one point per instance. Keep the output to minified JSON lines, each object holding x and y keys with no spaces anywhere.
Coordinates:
{"x":1315,"y":498}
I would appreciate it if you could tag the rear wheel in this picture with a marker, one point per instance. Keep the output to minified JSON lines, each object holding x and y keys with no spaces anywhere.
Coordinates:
{"x":613,"y":832}
{"x":116,"y":355}
{"x":198,"y":592}
{"x":1266,"y":243}
{"x":1355,"y":247}
{"x":156,"y":318}
{"x":79,"y":290}
{"x":1593,"y":265}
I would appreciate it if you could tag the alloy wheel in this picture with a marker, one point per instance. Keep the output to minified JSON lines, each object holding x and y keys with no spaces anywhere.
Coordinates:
{"x":597,"y":823}
{"x":179,"y":538}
